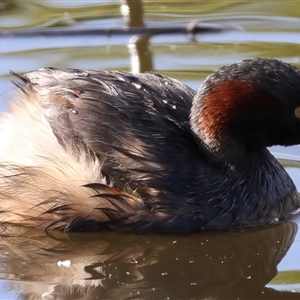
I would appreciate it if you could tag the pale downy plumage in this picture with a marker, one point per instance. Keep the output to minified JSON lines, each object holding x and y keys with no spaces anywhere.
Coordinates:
{"x":41,"y":183}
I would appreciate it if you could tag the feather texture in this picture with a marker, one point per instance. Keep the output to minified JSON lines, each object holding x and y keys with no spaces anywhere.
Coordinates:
{"x":93,"y":150}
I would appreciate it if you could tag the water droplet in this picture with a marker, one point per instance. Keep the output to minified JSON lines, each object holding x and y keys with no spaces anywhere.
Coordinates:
{"x":64,"y":263}
{"x":170,"y":103}
{"x":138,"y":86}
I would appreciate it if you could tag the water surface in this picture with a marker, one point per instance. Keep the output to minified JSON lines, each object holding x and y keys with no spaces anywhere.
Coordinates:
{"x":260,"y":263}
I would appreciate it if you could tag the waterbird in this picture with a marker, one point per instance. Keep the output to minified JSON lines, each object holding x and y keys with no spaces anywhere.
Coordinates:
{"x":91,"y":150}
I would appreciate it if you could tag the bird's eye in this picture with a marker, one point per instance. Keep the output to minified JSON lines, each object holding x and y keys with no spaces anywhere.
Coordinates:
{"x":297,"y":112}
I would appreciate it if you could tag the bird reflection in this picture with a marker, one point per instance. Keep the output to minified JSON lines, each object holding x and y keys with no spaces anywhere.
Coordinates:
{"x":216,"y":265}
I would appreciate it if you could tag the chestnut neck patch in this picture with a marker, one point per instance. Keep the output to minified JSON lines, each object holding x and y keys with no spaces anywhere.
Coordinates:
{"x":229,"y":102}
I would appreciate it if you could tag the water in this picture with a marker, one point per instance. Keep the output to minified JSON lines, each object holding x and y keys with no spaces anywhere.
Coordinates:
{"x":260,"y":263}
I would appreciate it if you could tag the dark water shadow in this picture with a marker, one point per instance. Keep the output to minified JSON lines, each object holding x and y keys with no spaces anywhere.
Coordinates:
{"x":223,"y":265}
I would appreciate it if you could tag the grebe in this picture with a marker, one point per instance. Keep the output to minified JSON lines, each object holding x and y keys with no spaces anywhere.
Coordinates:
{"x":93,"y":150}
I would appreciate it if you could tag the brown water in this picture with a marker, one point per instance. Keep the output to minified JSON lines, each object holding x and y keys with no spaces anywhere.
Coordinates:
{"x":261,"y":263}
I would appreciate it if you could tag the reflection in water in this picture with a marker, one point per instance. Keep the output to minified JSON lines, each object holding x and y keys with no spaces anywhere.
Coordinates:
{"x":141,"y":57}
{"x":219,"y":265}
{"x":133,"y":13}
{"x":139,"y":46}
